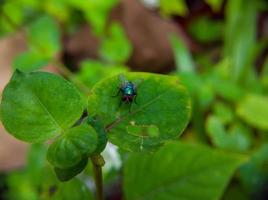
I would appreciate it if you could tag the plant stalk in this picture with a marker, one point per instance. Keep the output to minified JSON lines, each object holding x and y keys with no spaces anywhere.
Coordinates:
{"x":97,"y":162}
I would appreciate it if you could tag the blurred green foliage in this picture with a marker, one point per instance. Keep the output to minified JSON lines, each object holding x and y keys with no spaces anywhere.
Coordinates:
{"x":37,"y":182}
{"x":229,"y":104}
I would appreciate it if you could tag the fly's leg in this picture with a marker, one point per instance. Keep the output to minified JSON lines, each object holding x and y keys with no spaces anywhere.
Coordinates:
{"x":118,"y":92}
{"x":135,"y":99}
{"x":130,"y":106}
{"x":120,"y":103}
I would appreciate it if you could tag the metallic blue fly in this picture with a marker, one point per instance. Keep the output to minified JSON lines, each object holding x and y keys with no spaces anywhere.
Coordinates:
{"x":128,"y":91}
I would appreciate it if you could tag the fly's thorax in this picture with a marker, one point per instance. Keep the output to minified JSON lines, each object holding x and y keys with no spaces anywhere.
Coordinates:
{"x":129,"y":89}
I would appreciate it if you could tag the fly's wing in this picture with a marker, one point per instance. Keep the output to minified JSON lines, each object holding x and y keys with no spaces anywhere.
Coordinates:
{"x":122,"y":79}
{"x":137,"y":83}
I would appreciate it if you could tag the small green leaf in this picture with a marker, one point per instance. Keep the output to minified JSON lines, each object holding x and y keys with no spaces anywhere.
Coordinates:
{"x":223,"y":112}
{"x":240,"y":37}
{"x":254,"y":110}
{"x":44,"y":36}
{"x":14,"y":13}
{"x":29,"y":61}
{"x":179,"y":171}
{"x":72,"y":146}
{"x":227,"y":89}
{"x":183,"y":58}
{"x":236,"y":139}
{"x":215,"y":4}
{"x":37,"y":106}
{"x":69,"y":173}
{"x":95,"y":12}
{"x":173,"y":7}
{"x":92,"y":71}
{"x":213,"y":29}
{"x":161,"y":101}
{"x":115,"y":48}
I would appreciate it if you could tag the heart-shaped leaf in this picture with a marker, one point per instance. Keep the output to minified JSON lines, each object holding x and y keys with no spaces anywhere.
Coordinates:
{"x":36,"y":106}
{"x":161,"y":102}
{"x":72,"y":146}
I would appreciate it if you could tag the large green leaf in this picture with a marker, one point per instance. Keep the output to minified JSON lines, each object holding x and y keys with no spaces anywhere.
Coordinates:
{"x":37,"y":106}
{"x":254,"y":110}
{"x":179,"y":171}
{"x":72,"y":146}
{"x":161,"y":103}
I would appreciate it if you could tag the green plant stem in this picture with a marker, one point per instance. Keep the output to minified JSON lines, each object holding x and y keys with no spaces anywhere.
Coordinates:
{"x":98,"y":162}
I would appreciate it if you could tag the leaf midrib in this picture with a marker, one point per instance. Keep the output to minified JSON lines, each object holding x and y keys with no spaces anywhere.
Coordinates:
{"x":46,"y":110}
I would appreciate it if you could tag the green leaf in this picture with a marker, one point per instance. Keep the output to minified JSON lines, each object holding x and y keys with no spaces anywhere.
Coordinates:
{"x":254,"y":110}
{"x":29,"y":61}
{"x":69,"y":173}
{"x":236,"y":192}
{"x":95,"y":12}
{"x":205,"y":29}
{"x":37,"y":106}
{"x":254,"y":173}
{"x":35,"y":163}
{"x":227,"y":89}
{"x":92,"y":71}
{"x":115,"y":48}
{"x":215,"y":4}
{"x":240,"y":37}
{"x":97,"y":124}
{"x":161,"y":102}
{"x":183,"y":58}
{"x":74,"y":189}
{"x":200,"y":90}
{"x":236,"y":139}
{"x":179,"y":171}
{"x":224,"y":112}
{"x":72,"y":146}
{"x":44,"y":36}
{"x":173,"y":7}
